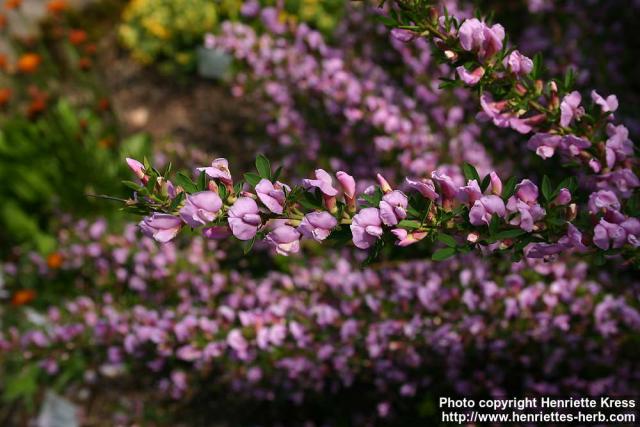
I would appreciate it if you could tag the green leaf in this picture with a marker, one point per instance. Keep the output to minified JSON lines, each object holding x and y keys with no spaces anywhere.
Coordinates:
{"x":509,"y":234}
{"x":508,"y":188}
{"x":447,"y":240}
{"x":485,"y":183}
{"x":409,"y":224}
{"x":247,"y":245}
{"x":202,"y":181}
{"x":263,"y":167}
{"x":277,"y":173}
{"x":222,"y":191}
{"x":185,"y":182}
{"x":133,"y":185}
{"x":252,"y":178}
{"x":470,"y":172}
{"x":547,"y":189}
{"x":442,"y":254}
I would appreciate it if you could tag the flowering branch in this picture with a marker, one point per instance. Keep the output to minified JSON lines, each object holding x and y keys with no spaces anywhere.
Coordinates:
{"x":484,"y":213}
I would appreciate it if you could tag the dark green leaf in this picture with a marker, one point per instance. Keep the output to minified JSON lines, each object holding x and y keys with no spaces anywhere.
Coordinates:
{"x":508,"y":188}
{"x":185,"y":182}
{"x":470,"y":172}
{"x":409,"y":224}
{"x":443,"y":254}
{"x":202,"y":181}
{"x":447,"y":240}
{"x":509,"y":234}
{"x":263,"y":167}
{"x":252,"y":178}
{"x":547,"y":189}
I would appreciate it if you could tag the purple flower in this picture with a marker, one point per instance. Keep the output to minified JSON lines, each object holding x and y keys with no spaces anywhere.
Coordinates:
{"x":138,"y":169}
{"x":162,"y":227}
{"x":470,"y":193}
{"x":216,"y":233}
{"x":250,"y":8}
{"x":518,"y":64}
{"x":424,"y":187}
{"x":495,"y":111}
{"x":484,"y":208}
{"x":323,"y":181}
{"x":563,"y":197}
{"x":608,"y":105}
{"x":603,"y":200}
{"x":405,"y":238}
{"x":618,"y":146}
{"x":477,"y":36}
{"x":403,"y":35}
{"x":393,"y":207}
{"x":244,"y":218}
{"x":219,"y":169}
{"x":496,"y":183}
{"x":201,"y":208}
{"x":470,"y":77}
{"x":607,"y":234}
{"x":448,"y":189}
{"x":366,"y":227}
{"x":285,"y":239}
{"x":544,"y":144}
{"x":317,"y":225}
{"x":272,"y":196}
{"x":525,"y":204}
{"x":348,"y":184}
{"x":570,"y":108}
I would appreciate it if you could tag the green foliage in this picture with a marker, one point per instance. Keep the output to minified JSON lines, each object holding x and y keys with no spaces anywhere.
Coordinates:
{"x":51,"y":165}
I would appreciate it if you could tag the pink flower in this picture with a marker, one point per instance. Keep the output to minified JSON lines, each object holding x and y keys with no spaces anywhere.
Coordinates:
{"x":366,"y":227}
{"x":525,"y":204}
{"x":477,"y":36}
{"x":495,"y":111}
{"x":162,"y":227}
{"x":424,"y":187}
{"x":618,"y":147}
{"x":347,"y":183}
{"x":138,"y":169}
{"x":608,"y":105}
{"x":570,"y":108}
{"x":285,"y":239}
{"x":403,"y":35}
{"x":518,"y":64}
{"x":244,"y":218}
{"x":393,"y":207}
{"x":603,"y":200}
{"x":496,"y":184}
{"x":201,"y":208}
{"x":216,"y":232}
{"x":470,"y":193}
{"x":405,"y":238}
{"x":271,"y":195}
{"x":448,"y":189}
{"x":323,"y":182}
{"x":484,"y":208}
{"x":563,"y":197}
{"x":219,"y":169}
{"x":317,"y":225}
{"x":607,"y":234}
{"x":470,"y":77}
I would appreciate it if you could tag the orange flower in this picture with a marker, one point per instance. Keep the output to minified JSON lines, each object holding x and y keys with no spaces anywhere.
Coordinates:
{"x":77,"y":37}
{"x":90,"y":49}
{"x":105,"y":142}
{"x":3,"y":21}
{"x":29,"y":62}
{"x":12,"y":4}
{"x":84,"y":63}
{"x":54,"y":260}
{"x":104,"y":104}
{"x":22,"y":297}
{"x":5,"y":96}
{"x":56,"y":6}
{"x":38,"y":102}
{"x":3,"y":62}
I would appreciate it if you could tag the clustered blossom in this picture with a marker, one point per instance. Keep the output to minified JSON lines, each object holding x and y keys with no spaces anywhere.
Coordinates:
{"x":267,"y":213}
{"x":322,"y":329}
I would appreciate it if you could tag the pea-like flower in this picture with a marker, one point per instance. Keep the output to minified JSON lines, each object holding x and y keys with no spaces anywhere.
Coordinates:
{"x":393,"y":207}
{"x":406,"y":238}
{"x":525,"y":204}
{"x":285,"y":239}
{"x":162,"y":227}
{"x":470,"y":77}
{"x":317,"y":225}
{"x":570,"y":108}
{"x":477,"y":36}
{"x":271,"y":195}
{"x":201,"y":208}
{"x":323,"y":182}
{"x":138,"y":169}
{"x":244,"y":218}
{"x":518,"y":64}
{"x":484,"y":208}
{"x":608,"y":105}
{"x":424,"y":187}
{"x":366,"y":227}
{"x":219,"y":169}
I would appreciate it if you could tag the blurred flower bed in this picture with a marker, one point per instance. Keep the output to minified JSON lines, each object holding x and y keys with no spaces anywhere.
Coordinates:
{"x":196,"y":329}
